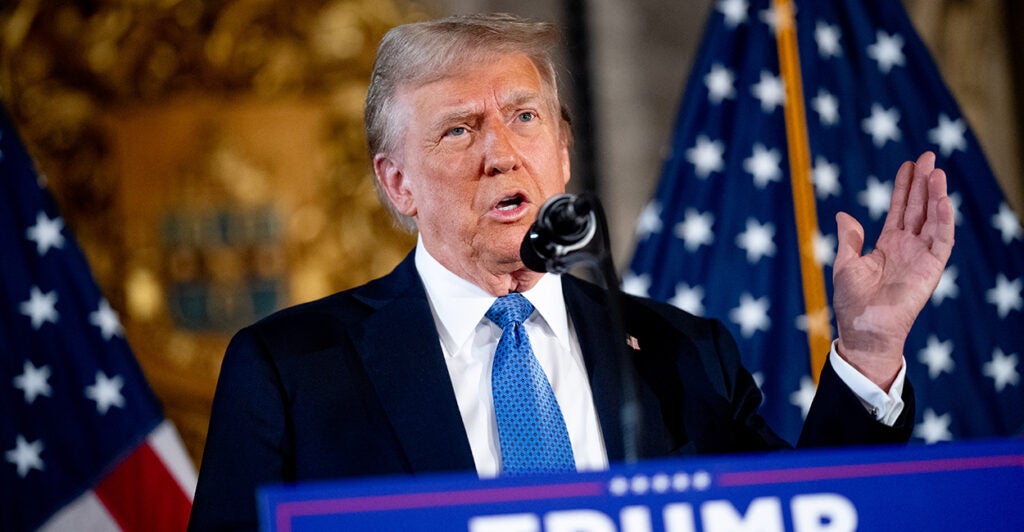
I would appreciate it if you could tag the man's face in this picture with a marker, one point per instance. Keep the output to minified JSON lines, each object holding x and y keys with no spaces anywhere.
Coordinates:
{"x":478,"y":152}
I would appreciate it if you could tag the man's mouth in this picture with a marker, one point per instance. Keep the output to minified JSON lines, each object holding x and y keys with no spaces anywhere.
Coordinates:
{"x":510,"y":203}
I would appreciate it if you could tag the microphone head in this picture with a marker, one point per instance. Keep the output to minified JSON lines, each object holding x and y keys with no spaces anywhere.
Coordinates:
{"x":565,"y":225}
{"x":528,"y":252}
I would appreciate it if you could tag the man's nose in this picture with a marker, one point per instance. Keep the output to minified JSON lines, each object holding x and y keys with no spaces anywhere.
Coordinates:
{"x":501,"y":154}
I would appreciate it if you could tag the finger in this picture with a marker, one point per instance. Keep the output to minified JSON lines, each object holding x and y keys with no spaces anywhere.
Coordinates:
{"x":851,"y":240}
{"x":917,"y":200}
{"x":898,"y":201}
{"x":940,"y":226}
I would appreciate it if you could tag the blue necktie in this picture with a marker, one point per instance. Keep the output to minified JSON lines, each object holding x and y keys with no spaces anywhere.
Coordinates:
{"x":531,"y":429}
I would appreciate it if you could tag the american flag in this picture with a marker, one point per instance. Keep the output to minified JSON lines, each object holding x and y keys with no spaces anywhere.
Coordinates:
{"x":83,"y":440}
{"x":720,"y":236}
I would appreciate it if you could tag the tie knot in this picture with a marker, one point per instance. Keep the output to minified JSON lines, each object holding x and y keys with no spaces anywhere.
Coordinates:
{"x":506,"y":310}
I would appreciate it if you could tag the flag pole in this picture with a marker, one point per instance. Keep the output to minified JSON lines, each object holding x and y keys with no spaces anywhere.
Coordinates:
{"x":819,"y":328}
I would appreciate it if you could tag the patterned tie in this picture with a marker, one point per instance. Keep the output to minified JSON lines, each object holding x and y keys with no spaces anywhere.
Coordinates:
{"x":531,"y":429}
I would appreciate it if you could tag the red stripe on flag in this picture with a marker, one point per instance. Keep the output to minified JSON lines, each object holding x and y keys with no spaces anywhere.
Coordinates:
{"x":142,"y":495}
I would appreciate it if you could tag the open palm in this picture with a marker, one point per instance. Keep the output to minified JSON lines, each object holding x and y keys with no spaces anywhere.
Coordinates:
{"x":879,"y":295}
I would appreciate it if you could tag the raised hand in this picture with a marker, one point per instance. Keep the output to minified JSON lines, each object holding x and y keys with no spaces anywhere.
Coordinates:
{"x":879,"y":295}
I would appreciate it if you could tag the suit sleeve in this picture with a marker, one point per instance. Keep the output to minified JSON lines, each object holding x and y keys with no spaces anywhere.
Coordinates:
{"x":837,"y":417}
{"x":247,"y":443}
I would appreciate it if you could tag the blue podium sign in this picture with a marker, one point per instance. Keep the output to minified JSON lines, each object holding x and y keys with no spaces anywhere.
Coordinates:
{"x":962,"y":486}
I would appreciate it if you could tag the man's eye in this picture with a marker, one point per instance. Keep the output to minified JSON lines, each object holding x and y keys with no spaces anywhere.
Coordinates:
{"x":526,"y":116}
{"x":456,"y":131}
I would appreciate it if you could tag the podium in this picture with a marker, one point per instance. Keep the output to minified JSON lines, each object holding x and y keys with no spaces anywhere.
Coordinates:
{"x":956,"y":486}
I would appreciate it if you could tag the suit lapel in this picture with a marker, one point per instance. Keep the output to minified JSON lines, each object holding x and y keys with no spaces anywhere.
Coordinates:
{"x":402,"y":355}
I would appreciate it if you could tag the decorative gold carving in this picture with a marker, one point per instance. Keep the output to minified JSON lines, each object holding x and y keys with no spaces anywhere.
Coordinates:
{"x":137,"y":110}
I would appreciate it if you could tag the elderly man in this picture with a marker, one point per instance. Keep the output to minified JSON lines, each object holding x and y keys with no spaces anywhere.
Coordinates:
{"x":426,"y":369}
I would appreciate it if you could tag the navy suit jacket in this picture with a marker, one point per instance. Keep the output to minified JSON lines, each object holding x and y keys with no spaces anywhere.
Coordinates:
{"x":356,"y":385}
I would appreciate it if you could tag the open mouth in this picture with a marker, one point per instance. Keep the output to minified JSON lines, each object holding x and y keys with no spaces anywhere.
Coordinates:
{"x":510,"y":203}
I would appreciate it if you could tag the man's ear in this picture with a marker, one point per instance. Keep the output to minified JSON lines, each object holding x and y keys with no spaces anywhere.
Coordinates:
{"x":566,"y":161}
{"x":392,"y":180}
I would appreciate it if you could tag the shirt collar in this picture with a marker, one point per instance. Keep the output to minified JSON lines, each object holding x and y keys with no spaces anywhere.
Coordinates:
{"x":459,"y":305}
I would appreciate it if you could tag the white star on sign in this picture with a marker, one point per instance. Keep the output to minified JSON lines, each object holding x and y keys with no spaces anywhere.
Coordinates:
{"x":46,"y":233}
{"x":40,"y":307}
{"x":706,"y":156}
{"x":106,"y":319}
{"x":938,"y":356}
{"x":25,"y":455}
{"x":876,"y":197}
{"x":826,"y":178}
{"x":106,"y":392}
{"x":1002,"y":369}
{"x":649,"y":221}
{"x":770,"y":91}
{"x":33,"y":382}
{"x":735,"y":11}
{"x":638,"y":285}
{"x":1006,"y":223}
{"x":1006,"y":295}
{"x":949,"y":135}
{"x":757,"y":240}
{"x":827,"y":38}
{"x":751,"y":315}
{"x":720,"y":83}
{"x":695,"y":229}
{"x":804,"y":396}
{"x":934,"y":428}
{"x":689,"y":299}
{"x":827,"y":107}
{"x":764,"y":165}
{"x":882,"y":125}
{"x":887,"y":51}
{"x":947,"y":287}
{"x":824,"y":248}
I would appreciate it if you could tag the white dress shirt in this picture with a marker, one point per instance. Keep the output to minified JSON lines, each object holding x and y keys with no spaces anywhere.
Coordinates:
{"x":469,"y":339}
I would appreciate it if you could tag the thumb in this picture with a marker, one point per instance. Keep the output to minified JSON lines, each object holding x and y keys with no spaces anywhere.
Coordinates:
{"x":851,"y":239}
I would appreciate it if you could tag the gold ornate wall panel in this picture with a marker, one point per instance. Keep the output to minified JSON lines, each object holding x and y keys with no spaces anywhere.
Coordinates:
{"x":210,"y":157}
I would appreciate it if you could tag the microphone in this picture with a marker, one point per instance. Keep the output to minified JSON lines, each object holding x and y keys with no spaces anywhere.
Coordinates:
{"x":565,"y":224}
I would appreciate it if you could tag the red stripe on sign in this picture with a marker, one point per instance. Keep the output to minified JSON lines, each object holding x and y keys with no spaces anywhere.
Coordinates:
{"x":142,"y":495}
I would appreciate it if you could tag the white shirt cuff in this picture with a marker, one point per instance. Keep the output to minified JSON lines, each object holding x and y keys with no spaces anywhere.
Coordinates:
{"x":885,"y":407}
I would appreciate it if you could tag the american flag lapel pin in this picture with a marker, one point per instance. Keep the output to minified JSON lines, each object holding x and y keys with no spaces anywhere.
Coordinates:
{"x":632,"y":342}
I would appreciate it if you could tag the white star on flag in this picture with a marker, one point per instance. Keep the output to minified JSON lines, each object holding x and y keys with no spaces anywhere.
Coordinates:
{"x":46,"y":233}
{"x":947,"y":287}
{"x":825,"y":176}
{"x":1006,"y":223}
{"x":764,"y":165}
{"x":949,"y":135}
{"x":706,"y":156}
{"x":876,"y":197}
{"x":106,"y":392}
{"x":934,"y":428}
{"x":827,"y":107}
{"x":695,"y":229}
{"x":804,"y":396}
{"x":757,"y":240}
{"x":887,"y":50}
{"x":882,"y":125}
{"x":33,"y":381}
{"x":1006,"y":295}
{"x":720,"y":84}
{"x":40,"y":307}
{"x":938,"y":356}
{"x":638,"y":285}
{"x":25,"y":456}
{"x":824,"y":248}
{"x":689,"y":299}
{"x":734,"y":11}
{"x":106,"y":319}
{"x":751,"y":315}
{"x":649,"y":221}
{"x":1002,"y":369}
{"x":770,"y":91}
{"x":827,"y":38}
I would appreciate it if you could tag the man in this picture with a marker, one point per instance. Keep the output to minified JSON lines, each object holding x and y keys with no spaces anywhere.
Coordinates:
{"x":395,"y":377}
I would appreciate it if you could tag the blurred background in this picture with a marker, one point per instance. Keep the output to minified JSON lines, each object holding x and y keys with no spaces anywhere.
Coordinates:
{"x":209,"y":154}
